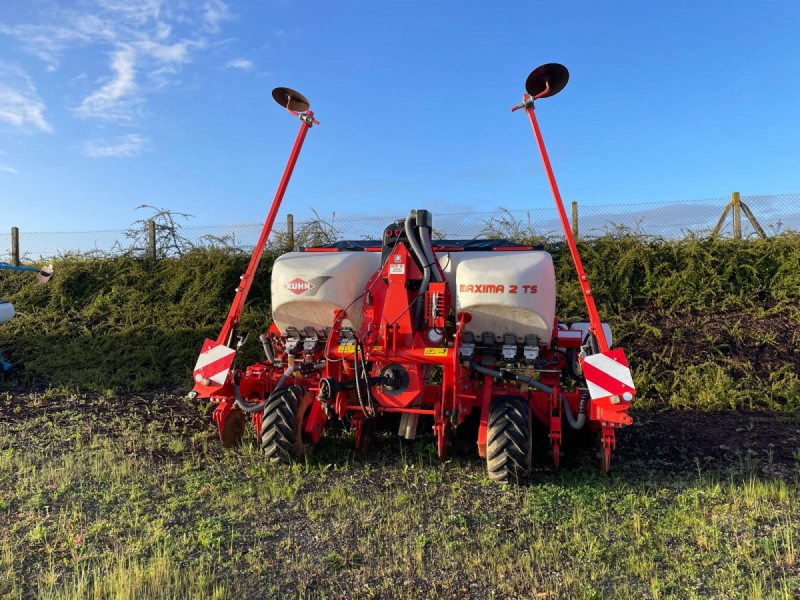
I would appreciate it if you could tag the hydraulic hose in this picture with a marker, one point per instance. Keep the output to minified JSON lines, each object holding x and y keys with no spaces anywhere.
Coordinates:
{"x":425,"y":240}
{"x":416,"y":248}
{"x":371,"y":412}
{"x":575,"y":423}
{"x":511,"y":375}
{"x":366,"y":379}
{"x":572,"y":364}
{"x":252,"y":408}
{"x":267,"y":349}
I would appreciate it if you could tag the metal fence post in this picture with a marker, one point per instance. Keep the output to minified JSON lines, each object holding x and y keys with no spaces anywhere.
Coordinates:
{"x":737,"y":216}
{"x":15,"y":246}
{"x":290,"y":230}
{"x":151,"y":240}
{"x":575,"y":218}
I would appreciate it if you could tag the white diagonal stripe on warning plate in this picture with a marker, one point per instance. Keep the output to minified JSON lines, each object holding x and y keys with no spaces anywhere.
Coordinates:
{"x":595,"y":391}
{"x":611,"y":367}
{"x":220,"y":377}
{"x":211,"y":355}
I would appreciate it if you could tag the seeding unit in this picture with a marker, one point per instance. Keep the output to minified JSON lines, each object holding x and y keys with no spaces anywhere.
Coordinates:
{"x":419,"y":327}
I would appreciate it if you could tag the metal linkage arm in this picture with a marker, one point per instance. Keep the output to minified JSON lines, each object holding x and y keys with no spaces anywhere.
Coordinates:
{"x":594,"y":319}
{"x":229,"y":328}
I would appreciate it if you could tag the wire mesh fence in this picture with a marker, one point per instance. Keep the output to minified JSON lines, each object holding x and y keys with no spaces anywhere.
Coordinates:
{"x":772,"y":214}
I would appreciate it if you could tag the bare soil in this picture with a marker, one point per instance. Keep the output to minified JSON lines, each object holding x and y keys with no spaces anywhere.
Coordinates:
{"x":666,"y":443}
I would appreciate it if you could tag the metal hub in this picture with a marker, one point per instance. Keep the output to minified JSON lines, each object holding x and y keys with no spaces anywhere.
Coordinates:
{"x":396,"y":379}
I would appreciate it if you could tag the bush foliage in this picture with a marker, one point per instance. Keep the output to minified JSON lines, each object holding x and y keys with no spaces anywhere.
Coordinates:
{"x":706,"y":323}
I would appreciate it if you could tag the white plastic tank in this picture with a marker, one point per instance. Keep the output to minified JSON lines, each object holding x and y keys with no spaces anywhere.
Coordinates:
{"x":504,"y":291}
{"x":6,"y":311}
{"x":309,"y":287}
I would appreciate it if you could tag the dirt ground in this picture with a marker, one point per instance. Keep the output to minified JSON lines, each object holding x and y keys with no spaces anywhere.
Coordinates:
{"x":669,"y":442}
{"x":696,"y":501}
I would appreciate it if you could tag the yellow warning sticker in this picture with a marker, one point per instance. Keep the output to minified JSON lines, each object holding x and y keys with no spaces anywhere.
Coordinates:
{"x":436,"y":351}
{"x":351,"y":348}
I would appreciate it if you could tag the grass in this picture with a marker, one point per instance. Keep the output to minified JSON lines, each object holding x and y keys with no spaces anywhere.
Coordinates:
{"x":133,"y":497}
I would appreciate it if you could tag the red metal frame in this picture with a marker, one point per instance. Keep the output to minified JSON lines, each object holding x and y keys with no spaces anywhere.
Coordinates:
{"x":229,"y":328}
{"x":389,"y":335}
{"x":594,"y":318}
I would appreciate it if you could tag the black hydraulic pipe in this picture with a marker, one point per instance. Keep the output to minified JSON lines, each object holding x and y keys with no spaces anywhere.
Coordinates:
{"x":575,"y":423}
{"x":416,"y":249}
{"x":512,"y":376}
{"x":253,"y":408}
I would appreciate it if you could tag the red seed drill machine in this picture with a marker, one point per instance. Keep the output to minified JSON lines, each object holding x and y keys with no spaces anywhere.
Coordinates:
{"x":419,"y":327}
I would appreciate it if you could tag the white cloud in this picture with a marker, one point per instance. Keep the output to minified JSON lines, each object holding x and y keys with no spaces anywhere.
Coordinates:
{"x":137,"y":11}
{"x":216,"y":11}
{"x":240,"y":63}
{"x":46,"y":42}
{"x":20,"y":105}
{"x":162,"y":77}
{"x":114,"y":100}
{"x":140,"y":37}
{"x":7,"y":169}
{"x":125,"y":146}
{"x":169,"y":53}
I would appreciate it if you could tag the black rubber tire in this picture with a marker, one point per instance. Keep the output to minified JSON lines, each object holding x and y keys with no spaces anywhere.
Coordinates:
{"x":509,"y":440}
{"x":281,"y":426}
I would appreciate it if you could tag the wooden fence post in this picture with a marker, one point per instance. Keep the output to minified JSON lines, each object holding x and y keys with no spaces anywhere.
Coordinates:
{"x":749,"y":214}
{"x":575,"y":218}
{"x":737,"y":216}
{"x":151,"y":240}
{"x":290,"y":230}
{"x":15,"y":246}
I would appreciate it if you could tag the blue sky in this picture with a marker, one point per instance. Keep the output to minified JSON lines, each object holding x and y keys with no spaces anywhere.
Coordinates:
{"x":109,"y":104}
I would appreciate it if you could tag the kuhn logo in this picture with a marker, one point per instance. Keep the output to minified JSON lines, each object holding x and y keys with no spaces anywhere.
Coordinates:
{"x":301,"y":286}
{"x":298,"y":286}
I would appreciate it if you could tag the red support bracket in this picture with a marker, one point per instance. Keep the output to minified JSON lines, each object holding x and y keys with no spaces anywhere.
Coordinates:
{"x":555,"y":426}
{"x":486,"y":399}
{"x":607,"y":444}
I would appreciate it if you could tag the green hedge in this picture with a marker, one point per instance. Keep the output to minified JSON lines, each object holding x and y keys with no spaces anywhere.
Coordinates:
{"x":706,"y":323}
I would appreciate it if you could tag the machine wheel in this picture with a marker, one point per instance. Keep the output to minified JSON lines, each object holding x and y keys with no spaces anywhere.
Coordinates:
{"x":233,"y":429}
{"x":509,"y":441}
{"x":282,"y":435}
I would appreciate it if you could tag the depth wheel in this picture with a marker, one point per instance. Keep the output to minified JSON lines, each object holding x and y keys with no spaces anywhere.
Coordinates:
{"x":509,"y":441}
{"x":282,"y":437}
{"x":233,"y":429}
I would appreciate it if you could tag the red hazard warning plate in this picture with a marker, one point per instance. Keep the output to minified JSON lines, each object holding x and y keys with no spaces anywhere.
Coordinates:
{"x":214,"y":362}
{"x":607,"y":374}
